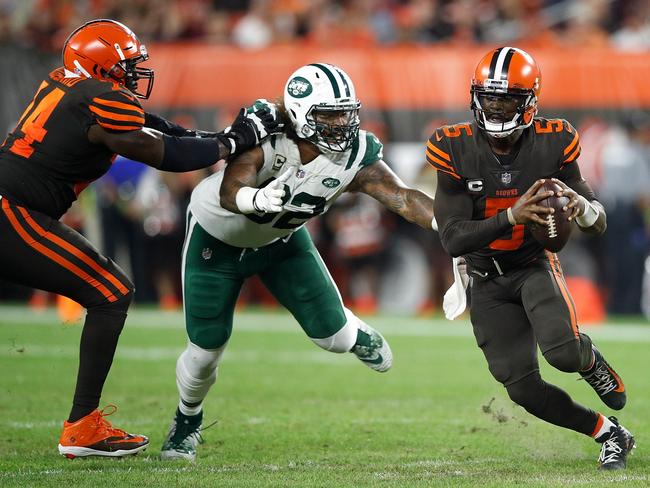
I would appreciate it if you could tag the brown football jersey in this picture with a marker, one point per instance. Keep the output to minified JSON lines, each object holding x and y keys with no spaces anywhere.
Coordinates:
{"x":47,"y":160}
{"x":461,"y":153}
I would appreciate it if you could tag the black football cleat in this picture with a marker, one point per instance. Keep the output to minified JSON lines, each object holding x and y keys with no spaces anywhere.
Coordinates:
{"x":604,"y":380}
{"x":616,"y":445}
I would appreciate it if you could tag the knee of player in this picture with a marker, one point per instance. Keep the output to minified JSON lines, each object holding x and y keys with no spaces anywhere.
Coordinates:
{"x":566,"y":357}
{"x":117,"y":302}
{"x":198,"y":362}
{"x":528,"y":392}
{"x":343,"y":339}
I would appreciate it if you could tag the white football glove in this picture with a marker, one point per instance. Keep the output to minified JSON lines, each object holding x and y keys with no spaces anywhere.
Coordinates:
{"x":266,"y":200}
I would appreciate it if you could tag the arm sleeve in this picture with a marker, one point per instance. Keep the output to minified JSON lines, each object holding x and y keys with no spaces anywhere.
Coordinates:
{"x":116,"y":111}
{"x":453,"y":209}
{"x":570,"y":174}
{"x":161,"y":124}
{"x":189,"y":153}
{"x":155,"y":121}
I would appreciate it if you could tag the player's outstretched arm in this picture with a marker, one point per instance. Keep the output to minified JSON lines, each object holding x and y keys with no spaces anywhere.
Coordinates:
{"x":381,"y":183}
{"x":171,"y":151}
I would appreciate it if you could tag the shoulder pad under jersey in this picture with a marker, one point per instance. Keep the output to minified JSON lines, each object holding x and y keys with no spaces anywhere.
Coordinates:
{"x":439,"y":151}
{"x":561,"y":136}
{"x":367,"y":149}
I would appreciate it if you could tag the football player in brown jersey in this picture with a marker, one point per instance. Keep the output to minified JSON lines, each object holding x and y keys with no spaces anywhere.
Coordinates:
{"x":489,"y":173}
{"x":82,"y":115}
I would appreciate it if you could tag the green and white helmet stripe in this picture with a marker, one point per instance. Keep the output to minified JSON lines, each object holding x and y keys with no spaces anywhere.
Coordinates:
{"x":339,"y":83}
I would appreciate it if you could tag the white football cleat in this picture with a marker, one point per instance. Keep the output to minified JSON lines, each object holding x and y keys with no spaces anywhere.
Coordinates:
{"x":375,"y":351}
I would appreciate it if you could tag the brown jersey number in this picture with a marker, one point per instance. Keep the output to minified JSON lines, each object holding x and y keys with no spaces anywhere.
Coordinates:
{"x":492,"y":207}
{"x":33,"y":119}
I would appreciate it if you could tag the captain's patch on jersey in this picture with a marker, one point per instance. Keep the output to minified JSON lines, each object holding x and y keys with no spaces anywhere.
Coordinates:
{"x":278,"y":162}
{"x":475,"y":186}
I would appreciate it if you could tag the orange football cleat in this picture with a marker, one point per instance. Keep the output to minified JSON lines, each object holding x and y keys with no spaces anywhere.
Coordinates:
{"x":93,"y":435}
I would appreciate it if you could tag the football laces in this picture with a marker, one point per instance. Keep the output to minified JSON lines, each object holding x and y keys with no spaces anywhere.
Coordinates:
{"x":552,"y":228}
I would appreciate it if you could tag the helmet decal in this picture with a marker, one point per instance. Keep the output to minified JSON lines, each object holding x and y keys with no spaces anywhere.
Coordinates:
{"x":299,"y":87}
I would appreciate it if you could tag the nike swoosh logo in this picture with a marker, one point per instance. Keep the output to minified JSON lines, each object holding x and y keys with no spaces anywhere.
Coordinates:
{"x":376,"y":360}
{"x":133,"y":440}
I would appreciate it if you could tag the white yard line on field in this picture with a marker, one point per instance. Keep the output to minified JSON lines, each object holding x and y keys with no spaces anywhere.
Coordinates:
{"x":261,"y":321}
{"x":149,"y":354}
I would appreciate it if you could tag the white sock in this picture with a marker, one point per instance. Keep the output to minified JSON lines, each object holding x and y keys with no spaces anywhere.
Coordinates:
{"x":196,"y":372}
{"x":189,"y":411}
{"x":605,"y":426}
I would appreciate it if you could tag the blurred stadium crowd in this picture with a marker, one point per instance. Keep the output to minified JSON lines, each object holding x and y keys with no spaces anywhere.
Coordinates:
{"x":44,"y":24}
{"x":380,"y":262}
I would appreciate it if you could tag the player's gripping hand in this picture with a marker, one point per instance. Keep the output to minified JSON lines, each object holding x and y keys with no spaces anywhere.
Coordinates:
{"x":251,"y":126}
{"x":577,"y":203}
{"x":268,"y":199}
{"x":526,"y":210}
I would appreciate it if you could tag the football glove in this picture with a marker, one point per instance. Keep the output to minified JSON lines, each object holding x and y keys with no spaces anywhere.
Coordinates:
{"x":266,"y":200}
{"x":252,"y":125}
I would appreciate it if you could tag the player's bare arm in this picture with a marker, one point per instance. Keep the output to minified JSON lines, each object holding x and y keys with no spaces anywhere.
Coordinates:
{"x":240,"y":173}
{"x":381,"y":183}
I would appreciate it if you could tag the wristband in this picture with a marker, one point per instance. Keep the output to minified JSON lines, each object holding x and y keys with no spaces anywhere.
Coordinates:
{"x":245,"y":199}
{"x":228,"y":142}
{"x":511,"y":218}
{"x":589,"y":216}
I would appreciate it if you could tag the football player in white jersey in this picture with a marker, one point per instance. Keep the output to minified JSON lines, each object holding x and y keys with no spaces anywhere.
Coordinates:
{"x":248,"y":219}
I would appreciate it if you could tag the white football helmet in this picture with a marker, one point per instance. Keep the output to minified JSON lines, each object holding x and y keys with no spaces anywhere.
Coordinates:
{"x":311,"y":93}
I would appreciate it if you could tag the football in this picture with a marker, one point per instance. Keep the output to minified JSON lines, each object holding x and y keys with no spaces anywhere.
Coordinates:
{"x":556,"y":234}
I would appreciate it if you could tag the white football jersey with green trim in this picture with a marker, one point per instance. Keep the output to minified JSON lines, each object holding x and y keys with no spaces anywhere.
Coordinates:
{"x":310,"y":191}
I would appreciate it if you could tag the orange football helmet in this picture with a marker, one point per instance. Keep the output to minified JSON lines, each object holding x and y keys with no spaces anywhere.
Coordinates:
{"x":511,"y":73}
{"x":108,"y":50}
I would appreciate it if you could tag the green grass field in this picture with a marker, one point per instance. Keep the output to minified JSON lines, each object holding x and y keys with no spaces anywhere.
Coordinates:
{"x":290,"y":414}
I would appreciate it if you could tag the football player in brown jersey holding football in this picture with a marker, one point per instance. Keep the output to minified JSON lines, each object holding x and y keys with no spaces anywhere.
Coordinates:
{"x":489,"y":173}
{"x":82,"y":115}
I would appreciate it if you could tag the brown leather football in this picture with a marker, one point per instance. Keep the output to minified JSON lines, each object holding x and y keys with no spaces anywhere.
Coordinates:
{"x":556,"y":234}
